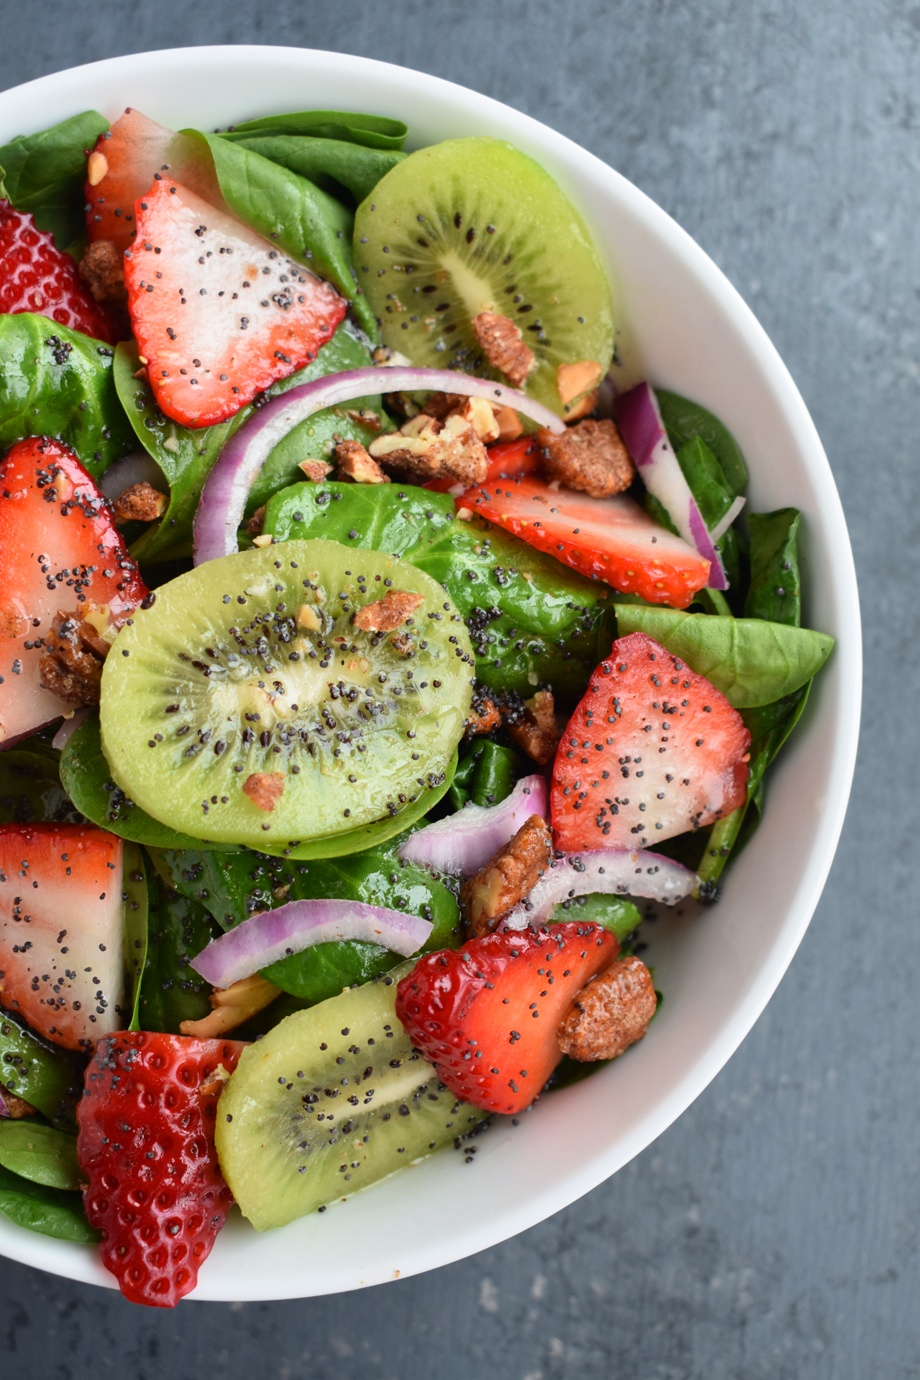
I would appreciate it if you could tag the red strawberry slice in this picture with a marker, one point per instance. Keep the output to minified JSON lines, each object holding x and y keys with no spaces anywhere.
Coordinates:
{"x":652,"y":750}
{"x":218,"y":311}
{"x":486,"y":1015}
{"x":59,"y":553}
{"x":146,"y":1146}
{"x":38,"y":277}
{"x":61,"y":951}
{"x":608,"y":539}
{"x":510,"y":458}
{"x":119,"y":170}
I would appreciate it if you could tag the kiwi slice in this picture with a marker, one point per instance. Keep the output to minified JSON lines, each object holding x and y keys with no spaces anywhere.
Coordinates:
{"x":473,"y":225}
{"x":331,"y":1100}
{"x":246,"y":706}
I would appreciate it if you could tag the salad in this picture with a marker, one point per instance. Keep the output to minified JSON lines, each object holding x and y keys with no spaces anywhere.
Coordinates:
{"x":369,"y":663}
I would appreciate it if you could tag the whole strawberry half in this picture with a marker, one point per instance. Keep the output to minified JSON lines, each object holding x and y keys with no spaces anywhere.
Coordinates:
{"x":652,"y":750}
{"x":36,"y":276}
{"x":61,"y":927}
{"x":219,"y":313}
{"x":60,"y":553}
{"x":487,"y":1015}
{"x":146,"y":1147}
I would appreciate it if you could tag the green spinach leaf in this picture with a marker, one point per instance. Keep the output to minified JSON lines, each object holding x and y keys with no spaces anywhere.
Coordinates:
{"x":616,"y":913}
{"x":31,"y":790}
{"x":331,"y":164}
{"x":134,"y":896}
{"x":370,"y":131}
{"x":51,"y":1211}
{"x":179,"y":928}
{"x":486,"y":775}
{"x":44,"y":174}
{"x":40,"y":1154}
{"x":46,"y":1076}
{"x":687,"y":421}
{"x":775,"y":591}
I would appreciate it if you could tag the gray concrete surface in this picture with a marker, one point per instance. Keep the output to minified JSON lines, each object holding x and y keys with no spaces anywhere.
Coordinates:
{"x":772,"y":1233}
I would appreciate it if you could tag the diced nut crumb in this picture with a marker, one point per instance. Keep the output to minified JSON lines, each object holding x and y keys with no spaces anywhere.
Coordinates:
{"x":537,"y":731}
{"x":264,"y":789}
{"x":574,"y":380}
{"x":16,"y":1107}
{"x":573,"y":411}
{"x":71,"y":667}
{"x":590,"y":457}
{"x":509,"y":424}
{"x":425,"y":448}
{"x":308,"y":618}
{"x":508,"y":878}
{"x":389,"y":613}
{"x":356,"y":464}
{"x":254,"y":525}
{"x":609,"y":1014}
{"x":231,"y":1006}
{"x":102,"y":269}
{"x":97,"y":165}
{"x":484,"y":716}
{"x":502,"y":343}
{"x":315,"y":470}
{"x":140,"y":503}
{"x":479,"y":414}
{"x":365,"y":417}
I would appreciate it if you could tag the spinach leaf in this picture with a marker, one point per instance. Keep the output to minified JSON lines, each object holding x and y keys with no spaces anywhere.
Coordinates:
{"x":50,"y":1211}
{"x":31,"y":790}
{"x":751,"y":661}
{"x":234,"y":886}
{"x":44,"y":174}
{"x":134,"y":897}
{"x":486,"y":775}
{"x":57,"y":382}
{"x":331,"y":164}
{"x":40,"y":1154}
{"x":179,"y":928}
{"x":687,"y":421}
{"x":775,"y":591}
{"x":616,"y":913}
{"x":702,"y":471}
{"x":531,"y":620}
{"x":47,"y":1077}
{"x":370,"y":131}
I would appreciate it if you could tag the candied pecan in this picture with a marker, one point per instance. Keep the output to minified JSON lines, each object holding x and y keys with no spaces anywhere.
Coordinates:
{"x":589,"y":456}
{"x":609,"y":1014}
{"x":507,"y":878}
{"x":231,"y":1006}
{"x":424,"y":448}
{"x":102,"y":269}
{"x":140,"y":503}
{"x":264,"y":788}
{"x":315,"y":470}
{"x":254,"y":525}
{"x":575,"y":380}
{"x":71,"y":667}
{"x":537,"y":731}
{"x":355,"y":463}
{"x":15,"y":1107}
{"x":390,"y":612}
{"x":502,"y":343}
{"x":484,"y":716}
{"x":480,"y":415}
{"x":365,"y":417}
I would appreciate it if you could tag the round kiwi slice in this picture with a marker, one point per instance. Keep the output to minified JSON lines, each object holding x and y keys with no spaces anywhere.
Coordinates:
{"x":331,"y":1100}
{"x":259,"y":701}
{"x":474,"y":225}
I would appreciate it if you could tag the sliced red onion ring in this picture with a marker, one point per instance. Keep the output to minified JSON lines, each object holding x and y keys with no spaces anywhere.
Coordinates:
{"x":639,"y":419}
{"x":68,"y":728}
{"x":721,"y":527}
{"x":223,"y":498}
{"x":275,"y":934}
{"x":464,"y":842}
{"x":613,"y":871}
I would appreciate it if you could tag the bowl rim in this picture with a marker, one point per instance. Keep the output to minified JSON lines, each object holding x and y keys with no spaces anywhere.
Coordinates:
{"x":563,"y":157}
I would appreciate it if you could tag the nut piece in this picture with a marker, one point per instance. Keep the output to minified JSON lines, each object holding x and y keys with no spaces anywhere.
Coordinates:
{"x":508,"y":422}
{"x":388,"y":613}
{"x":141,"y":503}
{"x":254,"y":525}
{"x":537,"y":731}
{"x":573,"y":380}
{"x":480,"y":415}
{"x":507,"y":878}
{"x":264,"y":788}
{"x":316,"y":470}
{"x":97,"y":165}
{"x":590,"y":457}
{"x":71,"y":668}
{"x":16,"y":1107}
{"x":502,"y":343}
{"x":485,"y":716}
{"x":231,"y":1006}
{"x":425,"y":448}
{"x":102,"y":269}
{"x":609,"y":1014}
{"x":365,"y":417}
{"x":355,"y":463}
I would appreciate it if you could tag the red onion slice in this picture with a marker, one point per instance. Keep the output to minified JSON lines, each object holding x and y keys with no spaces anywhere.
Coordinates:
{"x":223,"y":498}
{"x":639,"y":418}
{"x":612,"y":871}
{"x":274,"y":934}
{"x":464,"y":842}
{"x":722,"y":526}
{"x":68,"y":728}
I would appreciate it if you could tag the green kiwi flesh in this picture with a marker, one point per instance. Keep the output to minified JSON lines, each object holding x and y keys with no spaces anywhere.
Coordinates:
{"x":251,"y":666}
{"x":329,"y":1101}
{"x":473,"y":225}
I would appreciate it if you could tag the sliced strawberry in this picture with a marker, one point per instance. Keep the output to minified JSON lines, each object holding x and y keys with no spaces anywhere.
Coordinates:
{"x":119,"y":170}
{"x":487,"y":1015}
{"x":652,"y":750}
{"x":510,"y":458}
{"x":59,"y":553}
{"x":61,"y":952}
{"x":146,"y":1147}
{"x":218,"y":312}
{"x":38,"y":277}
{"x":608,"y":539}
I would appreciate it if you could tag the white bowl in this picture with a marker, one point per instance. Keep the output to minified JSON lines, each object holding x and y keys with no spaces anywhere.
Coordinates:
{"x":684,"y":326}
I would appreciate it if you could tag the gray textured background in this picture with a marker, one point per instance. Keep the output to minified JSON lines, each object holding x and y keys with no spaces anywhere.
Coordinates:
{"x":773,"y":1231}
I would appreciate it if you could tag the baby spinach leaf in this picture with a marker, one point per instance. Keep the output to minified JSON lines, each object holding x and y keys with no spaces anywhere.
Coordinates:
{"x":371,"y":131}
{"x":57,"y":382}
{"x":616,"y":913}
{"x":179,"y":928}
{"x":687,"y":421}
{"x":702,"y":471}
{"x":46,"y":1076}
{"x":486,"y":775}
{"x":44,"y":174}
{"x":331,"y":164}
{"x":775,"y":591}
{"x":31,"y":790}
{"x":50,"y":1211}
{"x":531,"y":620}
{"x":751,"y":661}
{"x":134,"y":896}
{"x":40,"y":1154}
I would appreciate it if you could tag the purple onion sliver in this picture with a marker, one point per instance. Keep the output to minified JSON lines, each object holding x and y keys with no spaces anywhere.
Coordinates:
{"x":611,"y":871}
{"x":703,"y":543}
{"x":68,"y":728}
{"x":722,"y":526}
{"x":275,"y":934}
{"x":464,"y":842}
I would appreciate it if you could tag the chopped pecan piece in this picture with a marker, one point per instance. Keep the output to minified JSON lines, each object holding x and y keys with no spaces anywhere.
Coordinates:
{"x":480,"y":415}
{"x":102,"y":269}
{"x":537,"y":731}
{"x":315,"y":470}
{"x":71,"y":667}
{"x":231,"y":1006}
{"x":507,"y":878}
{"x":390,"y":612}
{"x":508,"y":422}
{"x":502,"y":343}
{"x":365,"y":417}
{"x":254,"y":525}
{"x":140,"y":503}
{"x":574,"y":380}
{"x":590,"y":457}
{"x":264,"y":788}
{"x":355,"y":463}
{"x":484,"y":716}
{"x":611,"y":1013}
{"x":425,"y":448}
{"x":15,"y":1107}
